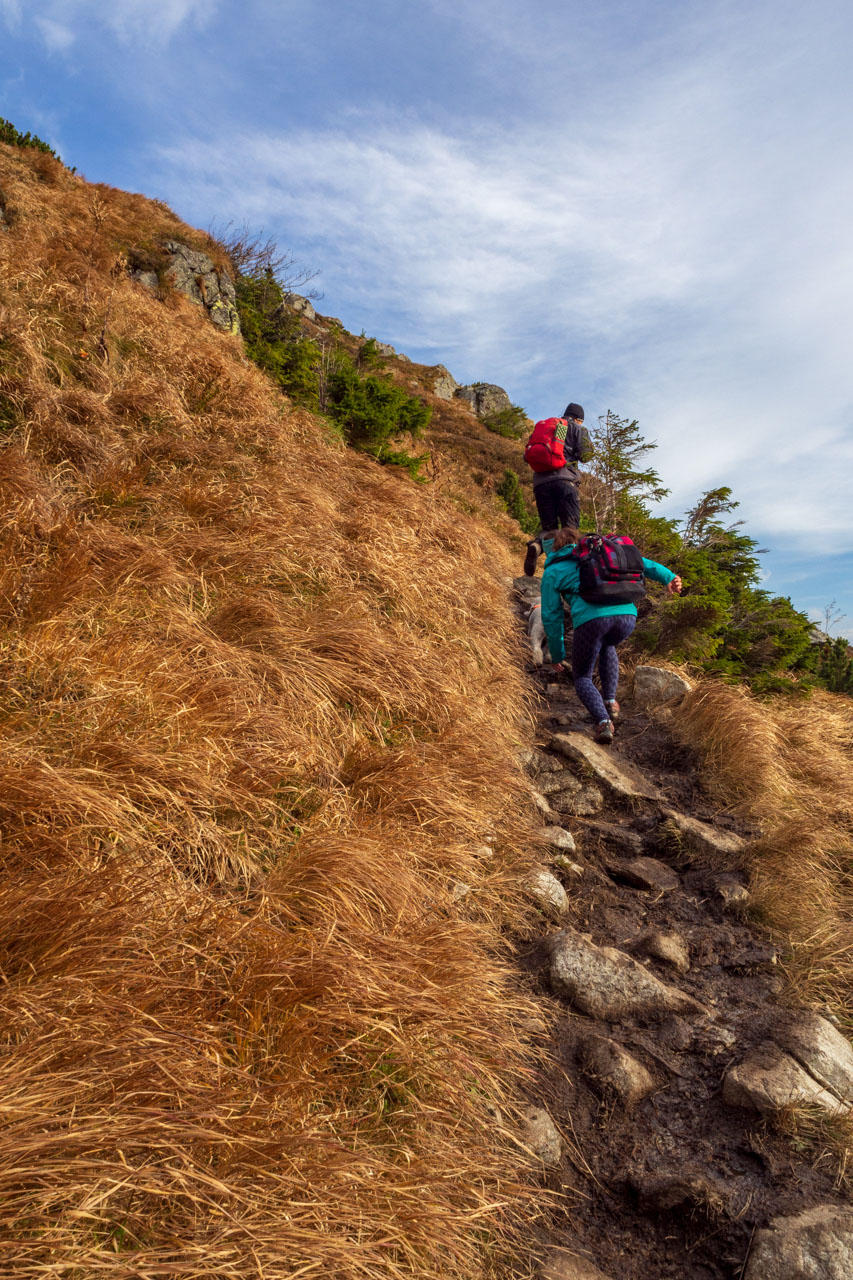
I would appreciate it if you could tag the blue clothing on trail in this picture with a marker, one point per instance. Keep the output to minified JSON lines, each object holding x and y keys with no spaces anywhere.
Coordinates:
{"x":561,"y":581}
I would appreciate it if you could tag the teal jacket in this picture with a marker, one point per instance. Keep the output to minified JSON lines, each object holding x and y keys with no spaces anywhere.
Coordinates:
{"x":561,"y":581}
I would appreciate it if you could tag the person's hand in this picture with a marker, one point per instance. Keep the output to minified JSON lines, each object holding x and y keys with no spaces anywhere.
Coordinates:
{"x":557,"y":668}
{"x":674,"y":585}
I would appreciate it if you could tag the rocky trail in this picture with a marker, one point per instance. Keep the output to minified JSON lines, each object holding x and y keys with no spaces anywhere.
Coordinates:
{"x":672,"y":1050}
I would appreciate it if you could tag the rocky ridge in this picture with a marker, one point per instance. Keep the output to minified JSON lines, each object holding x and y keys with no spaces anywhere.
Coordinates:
{"x":672,"y":1050}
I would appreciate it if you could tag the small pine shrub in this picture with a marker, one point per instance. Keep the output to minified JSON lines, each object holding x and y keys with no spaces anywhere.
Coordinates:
{"x":510,"y":492}
{"x":14,"y":138}
{"x":511,"y":423}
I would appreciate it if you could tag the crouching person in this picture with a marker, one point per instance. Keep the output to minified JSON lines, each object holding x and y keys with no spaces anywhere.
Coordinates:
{"x":600,"y":626}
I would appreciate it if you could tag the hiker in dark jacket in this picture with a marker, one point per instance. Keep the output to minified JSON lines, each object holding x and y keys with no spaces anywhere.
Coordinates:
{"x":598,"y":629}
{"x":556,"y":492}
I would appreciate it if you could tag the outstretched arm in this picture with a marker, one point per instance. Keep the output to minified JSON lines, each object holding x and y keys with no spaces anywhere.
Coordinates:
{"x":552,"y":618}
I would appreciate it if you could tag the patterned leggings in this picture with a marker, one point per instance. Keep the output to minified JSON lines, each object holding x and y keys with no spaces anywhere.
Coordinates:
{"x":598,"y":638}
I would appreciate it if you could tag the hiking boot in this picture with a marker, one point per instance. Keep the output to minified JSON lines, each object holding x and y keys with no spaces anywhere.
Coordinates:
{"x":604,"y":731}
{"x":530,"y":559}
{"x":612,"y":709}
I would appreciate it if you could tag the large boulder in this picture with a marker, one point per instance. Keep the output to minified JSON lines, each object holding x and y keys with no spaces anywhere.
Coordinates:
{"x":193,"y":274}
{"x":656,"y":686}
{"x":484,"y":398}
{"x":302,"y":306}
{"x":814,"y":1245}
{"x":608,"y":984}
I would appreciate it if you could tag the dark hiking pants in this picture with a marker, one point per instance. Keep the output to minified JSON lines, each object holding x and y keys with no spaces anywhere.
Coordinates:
{"x":558,"y":504}
{"x":597,"y":639}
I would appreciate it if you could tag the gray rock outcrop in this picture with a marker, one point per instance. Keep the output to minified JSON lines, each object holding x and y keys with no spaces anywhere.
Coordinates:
{"x":445,"y":385}
{"x":484,"y":398}
{"x":193,"y":274}
{"x":814,"y":1245}
{"x":608,"y":984}
{"x":819,"y":1047}
{"x":304,"y":307}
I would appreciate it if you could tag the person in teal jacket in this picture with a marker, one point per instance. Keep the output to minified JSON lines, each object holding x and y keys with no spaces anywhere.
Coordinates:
{"x":598,"y":629}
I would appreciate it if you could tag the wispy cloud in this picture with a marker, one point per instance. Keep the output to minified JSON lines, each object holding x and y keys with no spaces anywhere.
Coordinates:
{"x":57,"y":37}
{"x":154,"y":21}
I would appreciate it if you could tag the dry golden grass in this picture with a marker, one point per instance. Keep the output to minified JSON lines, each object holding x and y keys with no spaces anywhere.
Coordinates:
{"x":788,"y":766}
{"x":260,"y":707}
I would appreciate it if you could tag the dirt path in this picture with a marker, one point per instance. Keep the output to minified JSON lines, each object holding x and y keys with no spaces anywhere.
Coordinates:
{"x":675,"y":1183}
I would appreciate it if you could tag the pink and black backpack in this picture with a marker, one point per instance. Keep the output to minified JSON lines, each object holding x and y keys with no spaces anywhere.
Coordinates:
{"x":611,"y":569}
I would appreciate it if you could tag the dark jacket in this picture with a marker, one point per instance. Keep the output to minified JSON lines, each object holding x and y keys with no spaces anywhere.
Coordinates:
{"x":578,"y":448}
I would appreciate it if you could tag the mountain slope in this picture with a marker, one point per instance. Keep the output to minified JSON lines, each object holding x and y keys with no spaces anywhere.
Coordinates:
{"x":260,"y":707}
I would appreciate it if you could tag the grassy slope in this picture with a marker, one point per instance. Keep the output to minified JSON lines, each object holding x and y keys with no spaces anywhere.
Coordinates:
{"x":259,"y":705}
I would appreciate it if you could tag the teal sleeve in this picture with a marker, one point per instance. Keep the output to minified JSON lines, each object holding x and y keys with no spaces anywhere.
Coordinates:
{"x":657,"y":572}
{"x":552,"y":617}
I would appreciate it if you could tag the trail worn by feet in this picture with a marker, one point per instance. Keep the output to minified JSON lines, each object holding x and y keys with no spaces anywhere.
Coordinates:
{"x":672,"y":1047}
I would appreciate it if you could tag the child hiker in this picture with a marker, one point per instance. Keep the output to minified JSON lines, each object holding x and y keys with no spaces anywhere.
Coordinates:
{"x":598,"y":628}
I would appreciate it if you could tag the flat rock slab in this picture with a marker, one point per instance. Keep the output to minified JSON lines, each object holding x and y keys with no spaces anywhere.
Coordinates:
{"x":814,"y":1245}
{"x":622,"y":837}
{"x":559,"y":1264}
{"x":606,"y":983}
{"x":547,"y":892}
{"x":614,"y":1070}
{"x":768,"y":1080}
{"x":540,"y":1135}
{"x":702,"y":837}
{"x":819,"y":1047}
{"x":618,"y":777}
{"x":645,"y":873}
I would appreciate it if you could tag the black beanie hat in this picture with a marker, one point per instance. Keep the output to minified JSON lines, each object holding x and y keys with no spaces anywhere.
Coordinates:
{"x":574,"y":411}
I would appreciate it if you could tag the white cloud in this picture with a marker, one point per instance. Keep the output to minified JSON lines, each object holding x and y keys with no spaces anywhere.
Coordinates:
{"x":57,"y":37}
{"x":152,"y":21}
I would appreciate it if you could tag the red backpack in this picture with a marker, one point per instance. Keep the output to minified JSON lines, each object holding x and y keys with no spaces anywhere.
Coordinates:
{"x":610,"y":568}
{"x":543,"y":451}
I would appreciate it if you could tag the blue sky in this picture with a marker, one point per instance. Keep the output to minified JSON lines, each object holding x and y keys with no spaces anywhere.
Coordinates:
{"x":640,"y":206}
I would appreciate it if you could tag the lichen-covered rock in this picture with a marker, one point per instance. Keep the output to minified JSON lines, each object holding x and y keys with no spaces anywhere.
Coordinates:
{"x":608,"y":984}
{"x":193,"y":274}
{"x":814,"y":1245}
{"x":655,"y":686}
